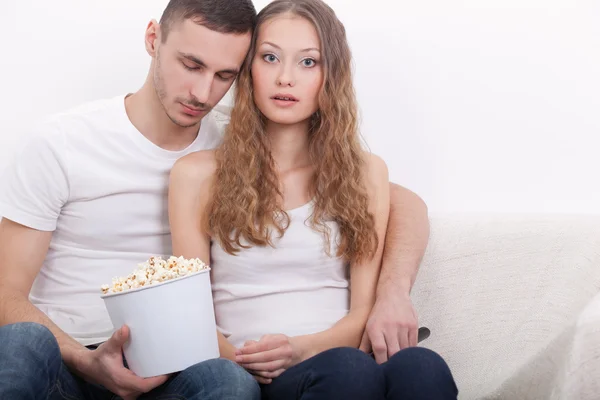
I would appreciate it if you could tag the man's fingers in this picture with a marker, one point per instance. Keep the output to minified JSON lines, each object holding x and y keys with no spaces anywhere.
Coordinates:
{"x":413,"y":335}
{"x":403,"y":338}
{"x":392,"y":342}
{"x":131,"y":381}
{"x":379,"y":347}
{"x":154,"y":382}
{"x":365,"y":343}
{"x":118,"y":339}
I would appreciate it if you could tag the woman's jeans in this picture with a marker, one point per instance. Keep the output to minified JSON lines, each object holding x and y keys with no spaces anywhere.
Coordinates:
{"x":348,"y":373}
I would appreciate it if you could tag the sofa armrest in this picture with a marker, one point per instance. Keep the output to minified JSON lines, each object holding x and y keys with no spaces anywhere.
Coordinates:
{"x":495,"y":290}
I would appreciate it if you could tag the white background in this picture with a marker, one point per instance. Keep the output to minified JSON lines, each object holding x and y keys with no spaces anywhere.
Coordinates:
{"x":477,"y":105}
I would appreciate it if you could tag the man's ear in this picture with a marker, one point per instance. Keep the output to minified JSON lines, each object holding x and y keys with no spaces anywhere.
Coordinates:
{"x":152,"y":37}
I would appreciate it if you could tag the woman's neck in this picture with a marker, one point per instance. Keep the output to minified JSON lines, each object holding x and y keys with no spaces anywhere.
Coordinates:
{"x":289,"y":145}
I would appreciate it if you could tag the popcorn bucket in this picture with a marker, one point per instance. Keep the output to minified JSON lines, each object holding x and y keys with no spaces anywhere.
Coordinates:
{"x":172,"y":324}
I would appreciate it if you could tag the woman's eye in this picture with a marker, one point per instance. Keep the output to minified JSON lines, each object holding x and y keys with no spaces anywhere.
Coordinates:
{"x":308,"y":62}
{"x":269,"y":58}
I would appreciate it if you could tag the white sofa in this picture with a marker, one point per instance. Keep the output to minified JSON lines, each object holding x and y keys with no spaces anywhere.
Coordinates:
{"x":513,"y":304}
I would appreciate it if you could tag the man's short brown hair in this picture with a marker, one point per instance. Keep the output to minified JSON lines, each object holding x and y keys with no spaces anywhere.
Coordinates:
{"x":225,"y":16}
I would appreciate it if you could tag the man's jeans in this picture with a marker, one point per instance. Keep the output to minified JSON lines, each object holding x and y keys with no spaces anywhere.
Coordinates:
{"x":348,"y":373}
{"x":31,"y":367}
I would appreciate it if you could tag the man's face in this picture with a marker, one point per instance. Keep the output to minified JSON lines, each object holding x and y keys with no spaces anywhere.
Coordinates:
{"x":194,"y":68}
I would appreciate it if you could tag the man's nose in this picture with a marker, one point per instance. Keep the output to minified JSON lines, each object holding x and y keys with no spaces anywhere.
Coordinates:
{"x":201,"y":90}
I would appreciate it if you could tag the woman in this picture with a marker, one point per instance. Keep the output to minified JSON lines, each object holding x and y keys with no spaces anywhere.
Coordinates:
{"x":292,"y":213}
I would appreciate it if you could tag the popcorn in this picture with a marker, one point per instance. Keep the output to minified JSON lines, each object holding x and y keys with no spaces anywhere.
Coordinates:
{"x":155,"y":270}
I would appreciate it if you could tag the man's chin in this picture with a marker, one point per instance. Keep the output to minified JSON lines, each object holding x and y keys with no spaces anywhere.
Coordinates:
{"x":185,"y":121}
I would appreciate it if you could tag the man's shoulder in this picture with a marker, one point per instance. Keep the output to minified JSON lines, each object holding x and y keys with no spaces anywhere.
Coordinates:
{"x":95,"y":105}
{"x":89,"y":109}
{"x":99,"y":111}
{"x":54,"y":133}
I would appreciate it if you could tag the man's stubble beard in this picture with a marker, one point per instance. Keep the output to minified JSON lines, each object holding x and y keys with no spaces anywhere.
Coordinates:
{"x":161,"y":93}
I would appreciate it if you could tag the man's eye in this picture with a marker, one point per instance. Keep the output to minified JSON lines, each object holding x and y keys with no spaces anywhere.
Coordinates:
{"x":190,"y":68}
{"x":225,"y":77}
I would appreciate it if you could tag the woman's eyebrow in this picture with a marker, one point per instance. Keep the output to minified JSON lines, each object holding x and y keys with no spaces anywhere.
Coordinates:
{"x":303,"y":50}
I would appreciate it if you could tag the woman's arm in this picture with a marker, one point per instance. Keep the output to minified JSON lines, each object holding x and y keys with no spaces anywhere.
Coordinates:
{"x":347,"y":332}
{"x":190,"y":187}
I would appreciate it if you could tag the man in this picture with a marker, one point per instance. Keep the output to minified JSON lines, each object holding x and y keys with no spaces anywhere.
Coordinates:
{"x":86,"y":199}
{"x":85,"y":202}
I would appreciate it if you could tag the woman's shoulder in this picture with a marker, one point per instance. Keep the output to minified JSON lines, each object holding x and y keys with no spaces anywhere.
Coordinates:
{"x":195,"y":167}
{"x":376,"y":170}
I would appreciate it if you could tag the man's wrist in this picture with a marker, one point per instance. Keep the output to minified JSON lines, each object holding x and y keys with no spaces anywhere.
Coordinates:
{"x":78,"y":359}
{"x":394,"y":286}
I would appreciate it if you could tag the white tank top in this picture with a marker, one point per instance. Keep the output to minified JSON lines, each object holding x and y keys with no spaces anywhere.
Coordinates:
{"x":294,"y":288}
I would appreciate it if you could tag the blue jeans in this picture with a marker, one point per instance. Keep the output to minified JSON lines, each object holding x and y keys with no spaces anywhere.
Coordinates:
{"x":31,"y":367}
{"x":347,"y":373}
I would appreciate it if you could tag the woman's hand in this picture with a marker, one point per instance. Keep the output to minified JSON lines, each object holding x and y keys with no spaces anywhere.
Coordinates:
{"x":269,"y":357}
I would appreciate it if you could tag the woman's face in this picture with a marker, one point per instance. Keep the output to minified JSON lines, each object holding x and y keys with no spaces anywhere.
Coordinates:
{"x":287,"y":72}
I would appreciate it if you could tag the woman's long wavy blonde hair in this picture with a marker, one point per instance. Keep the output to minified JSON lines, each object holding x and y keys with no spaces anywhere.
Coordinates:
{"x":247,"y":202}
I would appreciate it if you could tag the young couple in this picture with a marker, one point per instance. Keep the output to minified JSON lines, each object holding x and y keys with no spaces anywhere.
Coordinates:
{"x":293,"y":215}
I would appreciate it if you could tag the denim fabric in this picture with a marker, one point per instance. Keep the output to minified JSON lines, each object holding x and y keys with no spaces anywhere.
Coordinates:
{"x":348,"y":373}
{"x":31,"y":368}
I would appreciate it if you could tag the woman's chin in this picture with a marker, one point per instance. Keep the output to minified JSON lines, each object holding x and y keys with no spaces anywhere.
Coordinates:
{"x":283,"y":119}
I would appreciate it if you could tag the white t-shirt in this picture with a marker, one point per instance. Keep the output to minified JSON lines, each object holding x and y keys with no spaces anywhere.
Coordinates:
{"x":93,"y":179}
{"x":294,"y":288}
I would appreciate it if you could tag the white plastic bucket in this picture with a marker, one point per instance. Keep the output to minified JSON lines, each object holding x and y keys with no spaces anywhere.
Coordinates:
{"x":172,"y":324}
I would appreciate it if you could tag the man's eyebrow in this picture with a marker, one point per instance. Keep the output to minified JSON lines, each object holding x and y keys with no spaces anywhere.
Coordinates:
{"x":233,"y":71}
{"x":194,"y":59}
{"x":302,"y":51}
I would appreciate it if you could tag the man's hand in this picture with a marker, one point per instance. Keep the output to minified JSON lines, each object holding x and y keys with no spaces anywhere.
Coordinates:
{"x":269,"y":357}
{"x":104,"y":366}
{"x":391,"y":327}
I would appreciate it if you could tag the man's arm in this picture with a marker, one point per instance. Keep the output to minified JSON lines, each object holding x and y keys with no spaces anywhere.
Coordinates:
{"x":22,"y":252}
{"x":35,"y":188}
{"x":393,"y":322}
{"x":406,"y":241}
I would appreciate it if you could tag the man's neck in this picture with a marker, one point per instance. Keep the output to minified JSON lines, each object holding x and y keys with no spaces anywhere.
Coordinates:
{"x":147,"y":114}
